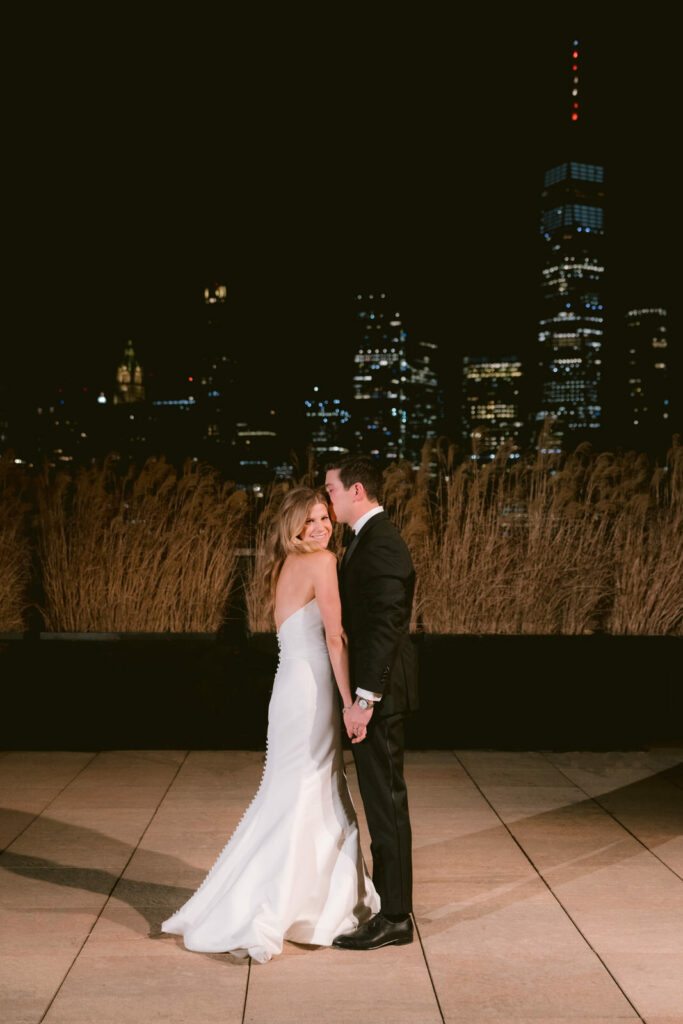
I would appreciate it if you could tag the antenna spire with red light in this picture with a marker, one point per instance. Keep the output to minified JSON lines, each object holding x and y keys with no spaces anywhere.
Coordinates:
{"x":575,"y":81}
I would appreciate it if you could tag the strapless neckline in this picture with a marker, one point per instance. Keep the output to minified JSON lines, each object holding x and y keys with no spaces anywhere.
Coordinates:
{"x":294,"y":614}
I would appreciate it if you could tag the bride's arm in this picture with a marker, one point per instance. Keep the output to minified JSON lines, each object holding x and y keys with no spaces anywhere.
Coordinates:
{"x":326,"y":591}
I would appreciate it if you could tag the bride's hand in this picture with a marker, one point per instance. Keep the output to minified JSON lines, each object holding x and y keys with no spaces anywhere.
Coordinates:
{"x":359,"y":734}
{"x":356,"y":723}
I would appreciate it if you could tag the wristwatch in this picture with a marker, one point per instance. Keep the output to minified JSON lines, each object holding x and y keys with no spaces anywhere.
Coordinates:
{"x":364,"y":704}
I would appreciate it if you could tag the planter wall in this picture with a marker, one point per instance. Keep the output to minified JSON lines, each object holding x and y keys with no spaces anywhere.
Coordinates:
{"x":137,"y":691}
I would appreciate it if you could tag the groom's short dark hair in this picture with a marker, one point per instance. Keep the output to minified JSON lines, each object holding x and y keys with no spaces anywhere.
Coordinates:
{"x":360,"y":469}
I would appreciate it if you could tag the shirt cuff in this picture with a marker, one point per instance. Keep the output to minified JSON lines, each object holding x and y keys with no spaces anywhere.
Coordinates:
{"x":369,"y":695}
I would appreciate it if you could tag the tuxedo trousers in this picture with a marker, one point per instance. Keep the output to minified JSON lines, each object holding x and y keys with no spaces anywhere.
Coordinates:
{"x":379,"y":766}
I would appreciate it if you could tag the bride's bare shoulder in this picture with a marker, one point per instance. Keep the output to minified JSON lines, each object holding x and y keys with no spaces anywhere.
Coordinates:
{"x":307,"y":562}
{"x":322,"y":557}
{"x":320,"y":561}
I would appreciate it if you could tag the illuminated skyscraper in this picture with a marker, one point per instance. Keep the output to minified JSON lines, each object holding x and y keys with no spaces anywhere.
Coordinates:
{"x":649,"y":380}
{"x":129,"y":380}
{"x":216,"y":373}
{"x":327,"y":426}
{"x":396,"y":404}
{"x":572,"y":322}
{"x":380,"y":399}
{"x":491,"y":402}
{"x":425,"y":402}
{"x":215,"y":295}
{"x":571,"y":329}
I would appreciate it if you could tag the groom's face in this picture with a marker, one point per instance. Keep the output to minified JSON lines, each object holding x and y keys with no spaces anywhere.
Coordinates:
{"x":342,"y":500}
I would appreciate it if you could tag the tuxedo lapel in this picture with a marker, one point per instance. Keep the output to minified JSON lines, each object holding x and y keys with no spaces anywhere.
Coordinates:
{"x":348,"y":554}
{"x":349,"y":550}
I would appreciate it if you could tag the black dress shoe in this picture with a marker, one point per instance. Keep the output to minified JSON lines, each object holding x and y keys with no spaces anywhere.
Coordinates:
{"x":375,"y":933}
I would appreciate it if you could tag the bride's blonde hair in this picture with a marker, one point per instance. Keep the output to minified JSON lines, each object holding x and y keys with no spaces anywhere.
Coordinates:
{"x":283,"y":536}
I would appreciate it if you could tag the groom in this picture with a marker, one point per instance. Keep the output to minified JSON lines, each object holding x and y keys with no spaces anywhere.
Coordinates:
{"x":376,"y":582}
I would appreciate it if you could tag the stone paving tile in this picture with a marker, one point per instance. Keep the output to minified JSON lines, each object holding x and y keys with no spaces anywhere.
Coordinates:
{"x":122,"y":824}
{"x":17,"y":814}
{"x":514,"y":803}
{"x":654,"y":984}
{"x":122,"y":929}
{"x":637,"y":788}
{"x":184,"y":799}
{"x":67,"y":845}
{"x":113,"y":768}
{"x":494,"y":1018}
{"x":197,"y":848}
{"x":87,"y":796}
{"x":637,"y":875}
{"x":144,"y":895}
{"x":493,"y":987}
{"x":37,"y":887}
{"x":59,"y":871}
{"x":130,"y":989}
{"x":47,"y":931}
{"x":499,"y":946}
{"x":619,"y":925}
{"x":29,"y":783}
{"x":214,"y":767}
{"x":448,"y":820}
{"x":488,"y":851}
{"x":104,"y":830}
{"x":169,"y":870}
{"x":32,"y":800}
{"x":28,"y":981}
{"x":22,"y":769}
{"x":515,"y":952}
{"x":599,"y":772}
{"x":342,"y":987}
{"x":611,"y":887}
{"x":441,"y":906}
{"x":198,"y":820}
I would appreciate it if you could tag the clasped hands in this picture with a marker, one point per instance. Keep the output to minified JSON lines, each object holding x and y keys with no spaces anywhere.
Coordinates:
{"x":356,"y":722}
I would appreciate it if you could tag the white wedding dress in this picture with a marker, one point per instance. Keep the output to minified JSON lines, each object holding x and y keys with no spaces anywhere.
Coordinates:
{"x":293,"y":868}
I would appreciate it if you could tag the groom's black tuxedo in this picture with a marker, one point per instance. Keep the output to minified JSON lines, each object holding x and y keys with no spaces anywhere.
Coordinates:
{"x":377,"y":582}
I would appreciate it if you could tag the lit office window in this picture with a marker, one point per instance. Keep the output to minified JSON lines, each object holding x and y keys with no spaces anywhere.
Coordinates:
{"x":587,"y":172}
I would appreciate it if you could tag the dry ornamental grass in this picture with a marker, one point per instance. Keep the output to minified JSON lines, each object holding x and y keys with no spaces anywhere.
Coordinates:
{"x":556,"y":544}
{"x":15,"y":550}
{"x":153,"y":551}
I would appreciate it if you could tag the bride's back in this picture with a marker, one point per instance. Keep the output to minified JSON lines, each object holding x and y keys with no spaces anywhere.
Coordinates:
{"x":295,"y":585}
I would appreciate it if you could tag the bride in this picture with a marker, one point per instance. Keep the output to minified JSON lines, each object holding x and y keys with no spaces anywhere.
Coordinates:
{"x":293,"y":868}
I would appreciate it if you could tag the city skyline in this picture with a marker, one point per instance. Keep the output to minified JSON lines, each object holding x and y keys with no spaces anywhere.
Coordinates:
{"x":417,"y":220}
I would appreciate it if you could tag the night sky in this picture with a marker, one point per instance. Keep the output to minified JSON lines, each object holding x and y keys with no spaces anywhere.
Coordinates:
{"x":300,"y":161}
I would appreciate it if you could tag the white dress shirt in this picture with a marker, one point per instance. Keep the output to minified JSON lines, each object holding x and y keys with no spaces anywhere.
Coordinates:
{"x":357,"y":527}
{"x":360,"y":523}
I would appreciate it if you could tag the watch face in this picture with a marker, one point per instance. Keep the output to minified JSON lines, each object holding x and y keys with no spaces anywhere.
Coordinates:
{"x":363,"y":704}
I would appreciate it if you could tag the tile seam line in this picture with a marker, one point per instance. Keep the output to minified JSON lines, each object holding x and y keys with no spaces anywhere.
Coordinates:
{"x":547,"y":885}
{"x":51,"y":800}
{"x":121,"y":873}
{"x":246,"y":993}
{"x":614,"y":817}
{"x":429,"y":973}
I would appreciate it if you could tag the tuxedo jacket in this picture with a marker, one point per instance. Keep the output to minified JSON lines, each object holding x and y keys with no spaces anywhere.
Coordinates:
{"x":377,"y":583}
